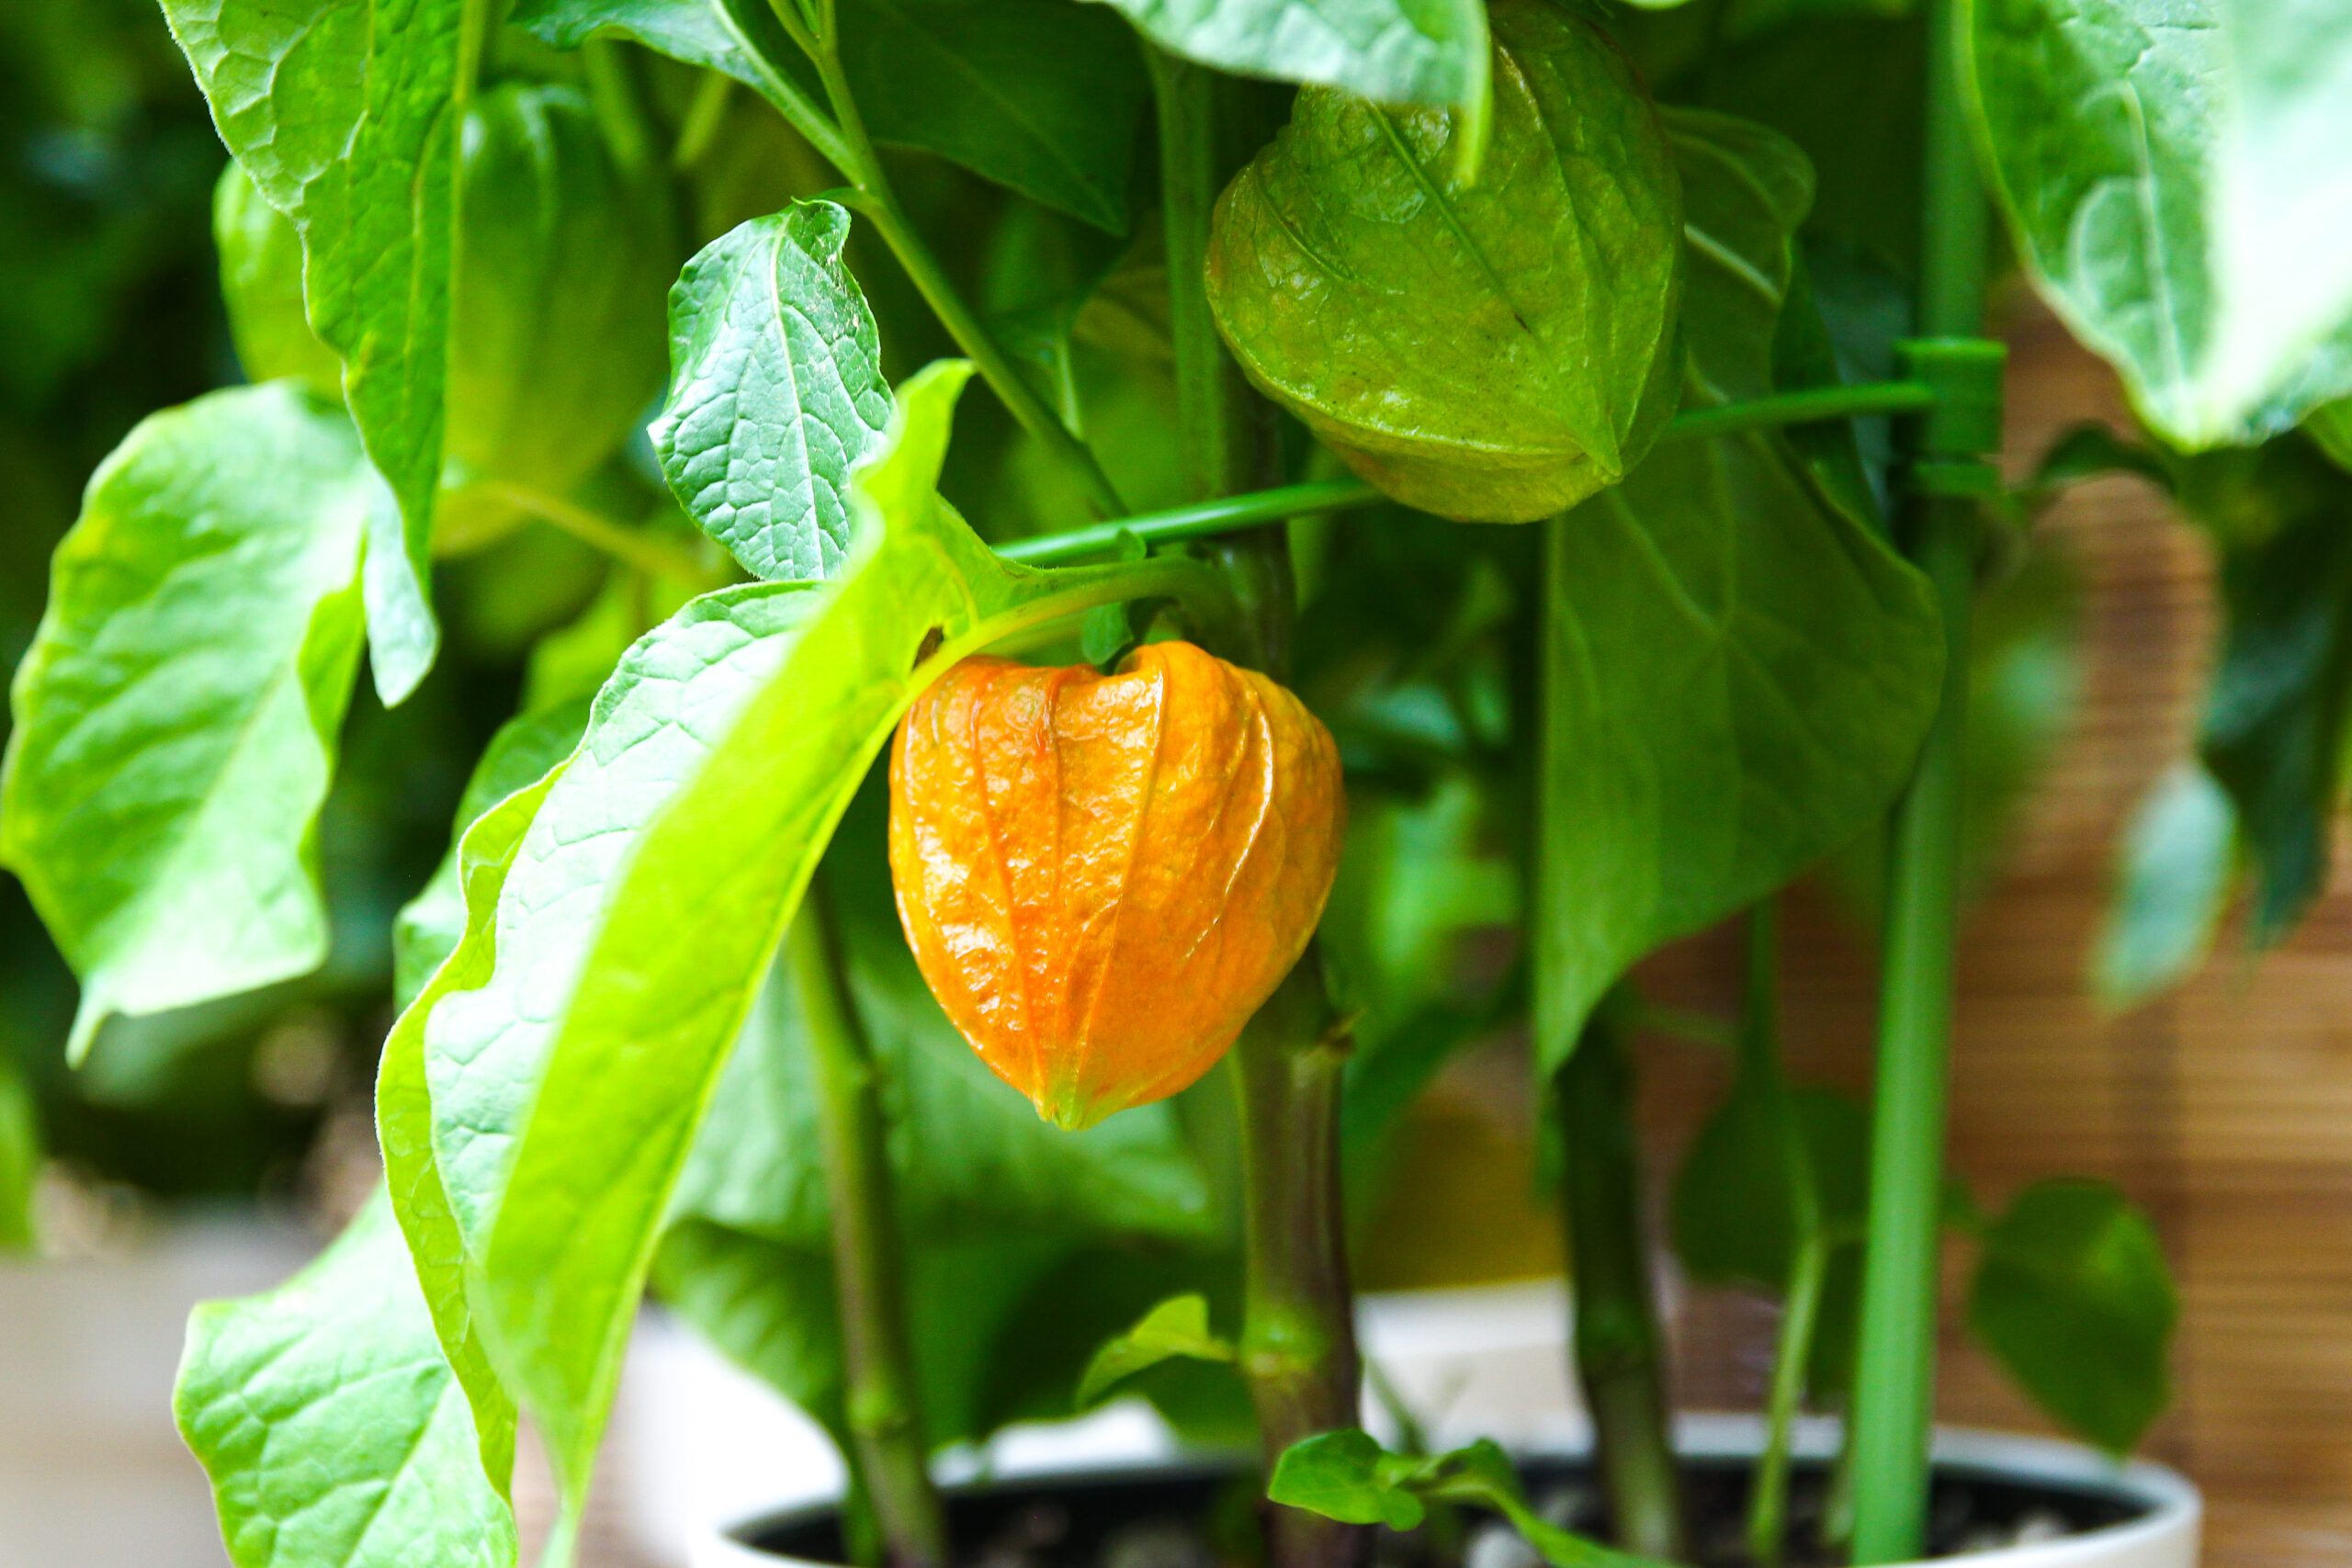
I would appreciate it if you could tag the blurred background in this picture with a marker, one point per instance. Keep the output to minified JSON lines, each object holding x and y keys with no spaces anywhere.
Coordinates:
{"x":206,"y":1153}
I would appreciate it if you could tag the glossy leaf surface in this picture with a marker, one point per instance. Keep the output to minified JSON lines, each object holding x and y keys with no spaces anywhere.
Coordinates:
{"x":1741,"y":668}
{"x":346,"y":114}
{"x":334,"y":1433}
{"x":1491,"y":351}
{"x":177,"y":716}
{"x":2171,"y":171}
{"x":2072,"y":1294}
{"x":775,"y":392}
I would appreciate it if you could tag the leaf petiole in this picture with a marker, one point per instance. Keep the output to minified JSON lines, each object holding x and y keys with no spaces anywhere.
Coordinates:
{"x":630,"y":546}
{"x":1229,"y":513}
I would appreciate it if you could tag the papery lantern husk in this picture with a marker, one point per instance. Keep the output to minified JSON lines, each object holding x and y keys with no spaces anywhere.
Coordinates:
{"x":1104,"y":876}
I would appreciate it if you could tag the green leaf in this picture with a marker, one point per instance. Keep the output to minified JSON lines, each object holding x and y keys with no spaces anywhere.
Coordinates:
{"x":2276,"y":712}
{"x":1735,"y":1214}
{"x":1348,"y":1476}
{"x":346,"y":114}
{"x":775,"y":392}
{"x":1040,"y":96}
{"x":2170,"y":172}
{"x":334,"y":1434}
{"x":429,"y":927}
{"x":2073,"y":1295}
{"x":1177,"y":1326}
{"x":2173,"y":881}
{"x":656,"y":882}
{"x":1395,"y":51}
{"x":176,"y":716}
{"x":1491,"y":351}
{"x":1739,"y":670}
{"x":404,"y":1122}
{"x":650,"y":728}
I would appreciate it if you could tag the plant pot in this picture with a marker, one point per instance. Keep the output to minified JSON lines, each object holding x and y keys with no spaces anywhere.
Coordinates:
{"x":2007,"y":1502}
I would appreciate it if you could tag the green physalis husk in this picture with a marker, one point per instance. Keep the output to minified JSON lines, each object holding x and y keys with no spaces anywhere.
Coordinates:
{"x":559,"y":338}
{"x":1491,"y":351}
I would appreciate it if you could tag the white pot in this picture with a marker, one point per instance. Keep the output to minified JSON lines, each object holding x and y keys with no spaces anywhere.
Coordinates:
{"x":2163,"y":1535}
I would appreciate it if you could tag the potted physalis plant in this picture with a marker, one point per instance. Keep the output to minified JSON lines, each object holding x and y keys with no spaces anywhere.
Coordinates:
{"x":1439,"y":468}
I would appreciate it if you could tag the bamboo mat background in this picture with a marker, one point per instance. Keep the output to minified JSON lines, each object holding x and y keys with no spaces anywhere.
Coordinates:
{"x":2225,"y":1109}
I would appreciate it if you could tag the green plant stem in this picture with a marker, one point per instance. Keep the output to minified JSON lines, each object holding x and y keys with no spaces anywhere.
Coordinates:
{"x":885,"y":1418}
{"x":1893,"y":1404}
{"x":1767,"y":1499}
{"x":631,"y":546}
{"x":1234,"y":510}
{"x":1297,"y":1351}
{"x":1619,"y":1352}
{"x":1761,"y":1065}
{"x":1298,"y":1348}
{"x":1211,"y":398}
{"x":618,"y":97}
{"x":1894,"y":1367}
{"x":874,"y":195}
{"x":705,"y":114}
{"x":1805,"y":407}
{"x":1617,"y":1337}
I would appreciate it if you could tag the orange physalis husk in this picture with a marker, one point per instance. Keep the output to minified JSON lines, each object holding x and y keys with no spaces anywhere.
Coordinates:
{"x":1104,"y":876}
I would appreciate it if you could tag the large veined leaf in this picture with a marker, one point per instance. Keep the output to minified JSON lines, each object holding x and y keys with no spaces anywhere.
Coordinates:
{"x":1044,"y":97}
{"x":177,"y":716}
{"x":334,"y":1433}
{"x":1738,"y":669}
{"x":650,"y":728}
{"x":1395,"y":51}
{"x":346,"y":114}
{"x":654,"y":884}
{"x":2172,"y":170}
{"x":775,"y":392}
{"x":525,"y":749}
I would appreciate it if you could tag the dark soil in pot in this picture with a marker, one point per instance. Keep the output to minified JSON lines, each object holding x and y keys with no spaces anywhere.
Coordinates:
{"x":1204,"y":1517}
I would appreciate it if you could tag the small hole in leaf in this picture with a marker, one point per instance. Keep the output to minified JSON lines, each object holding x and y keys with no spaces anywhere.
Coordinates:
{"x":930,"y":641}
